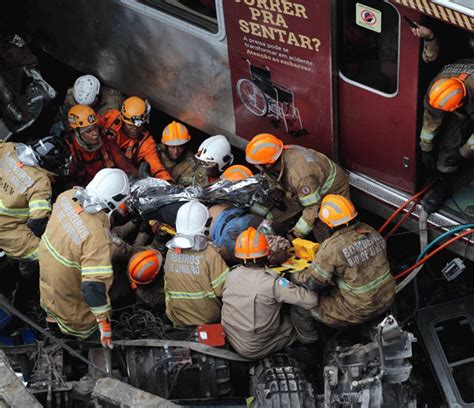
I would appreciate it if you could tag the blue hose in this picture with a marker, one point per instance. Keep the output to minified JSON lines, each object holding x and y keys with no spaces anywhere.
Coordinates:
{"x":442,"y":236}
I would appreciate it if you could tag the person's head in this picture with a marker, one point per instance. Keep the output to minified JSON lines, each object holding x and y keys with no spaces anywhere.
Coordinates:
{"x":135,"y":113}
{"x":175,"y":137}
{"x":264,"y":150}
{"x":214,"y":154}
{"x":144,"y":266}
{"x":86,"y":90}
{"x":52,"y":154}
{"x":447,"y":94}
{"x":107,"y":190}
{"x":252,"y":245}
{"x":237,"y":172}
{"x":83,"y":120}
{"x":336,"y":210}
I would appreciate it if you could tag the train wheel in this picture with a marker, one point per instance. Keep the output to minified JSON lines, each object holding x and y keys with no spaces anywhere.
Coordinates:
{"x":252,"y":97}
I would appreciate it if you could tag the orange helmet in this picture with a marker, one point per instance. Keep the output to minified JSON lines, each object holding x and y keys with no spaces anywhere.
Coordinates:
{"x":175,"y":134}
{"x":144,"y":266}
{"x":80,"y":116}
{"x":447,"y":94}
{"x":264,"y":148}
{"x":336,"y":210}
{"x":251,"y":244}
{"x":237,"y":172}
{"x":135,"y":111}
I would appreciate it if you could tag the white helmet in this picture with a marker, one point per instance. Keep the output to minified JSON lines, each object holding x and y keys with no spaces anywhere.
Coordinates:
{"x":192,"y":219}
{"x":108,"y":189}
{"x":215,"y":149}
{"x":86,"y":89}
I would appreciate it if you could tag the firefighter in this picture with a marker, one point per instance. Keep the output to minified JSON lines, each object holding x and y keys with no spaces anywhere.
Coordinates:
{"x":90,"y":152}
{"x":127,"y":129}
{"x":175,"y":154}
{"x":25,"y":194}
{"x":306,"y":175}
{"x":253,"y":296}
{"x":143,"y":272}
{"x":214,"y":155}
{"x":350,"y":270}
{"x":448,"y":121}
{"x":194,"y":270}
{"x":75,"y":257}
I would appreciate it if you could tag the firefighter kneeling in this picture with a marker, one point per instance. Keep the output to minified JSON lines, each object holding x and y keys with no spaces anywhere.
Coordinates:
{"x":350,"y":271}
{"x":75,"y":257}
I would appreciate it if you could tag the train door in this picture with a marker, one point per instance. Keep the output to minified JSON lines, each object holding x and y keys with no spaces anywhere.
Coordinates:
{"x":378,"y":60}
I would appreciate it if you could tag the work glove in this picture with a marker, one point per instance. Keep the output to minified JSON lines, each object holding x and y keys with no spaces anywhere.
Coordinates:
{"x":105,"y":328}
{"x":428,"y":160}
{"x":144,"y":170}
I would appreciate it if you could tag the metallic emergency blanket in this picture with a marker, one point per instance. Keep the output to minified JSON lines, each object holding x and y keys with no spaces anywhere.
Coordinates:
{"x":150,"y":194}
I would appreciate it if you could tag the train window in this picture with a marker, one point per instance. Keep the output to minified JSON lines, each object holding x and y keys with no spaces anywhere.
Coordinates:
{"x":201,"y":13}
{"x":368,"y":45}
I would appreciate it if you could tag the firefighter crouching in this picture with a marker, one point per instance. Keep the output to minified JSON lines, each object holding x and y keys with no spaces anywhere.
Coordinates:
{"x":253,"y":296}
{"x":194,"y":270}
{"x":90,"y":152}
{"x":127,"y":129}
{"x":75,"y":257}
{"x":350,"y":270}
{"x":304,"y":173}
{"x":25,"y":194}
{"x":175,"y":154}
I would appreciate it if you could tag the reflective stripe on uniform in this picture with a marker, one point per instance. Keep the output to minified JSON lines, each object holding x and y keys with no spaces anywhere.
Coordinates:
{"x":259,"y":209}
{"x":39,"y":205}
{"x":426,"y":137}
{"x":56,"y":255}
{"x":82,"y":334}
{"x":96,"y":270}
{"x":302,"y":226}
{"x":368,"y":287}
{"x":321,"y":272}
{"x":220,"y":279}
{"x":100,"y":309}
{"x":31,"y":256}
{"x":315,"y":196}
{"x":470,"y":142}
{"x":14,"y":212}
{"x":189,"y":295}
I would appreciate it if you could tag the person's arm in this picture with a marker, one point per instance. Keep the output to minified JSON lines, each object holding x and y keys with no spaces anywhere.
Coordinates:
{"x":430,"y":43}
{"x":321,"y":270}
{"x":120,"y":160}
{"x":39,"y":204}
{"x":287,"y":292}
{"x":432,"y":120}
{"x":309,"y":195}
{"x":149,"y":153}
{"x":218,"y":271}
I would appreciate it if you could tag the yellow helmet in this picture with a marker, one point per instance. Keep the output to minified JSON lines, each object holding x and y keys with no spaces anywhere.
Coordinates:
{"x":175,"y":134}
{"x":135,"y":111}
{"x":336,"y":210}
{"x":80,"y":116}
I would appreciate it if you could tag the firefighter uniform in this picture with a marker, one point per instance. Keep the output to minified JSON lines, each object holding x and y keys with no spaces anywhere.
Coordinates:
{"x":181,"y":170}
{"x":456,"y":129}
{"x":193,"y":285}
{"x":251,"y":312}
{"x":308,"y":176}
{"x":85,"y":164}
{"x":353,"y":261}
{"x":108,"y":99}
{"x":25,"y":192}
{"x":74,"y":251}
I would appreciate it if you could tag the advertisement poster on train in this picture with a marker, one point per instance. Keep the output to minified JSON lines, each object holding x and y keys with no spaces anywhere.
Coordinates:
{"x":279,"y":56}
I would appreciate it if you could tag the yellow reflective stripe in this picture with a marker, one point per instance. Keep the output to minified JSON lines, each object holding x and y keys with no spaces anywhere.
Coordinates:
{"x":97,"y":270}
{"x":14,"y":212}
{"x":315,"y":197}
{"x":426,"y":136}
{"x":56,"y":255}
{"x":310,"y":199}
{"x":330,"y":180}
{"x":190,"y":295}
{"x":98,"y":310}
{"x":220,"y":279}
{"x":39,"y":205}
{"x":32,"y":256}
{"x":258,"y":209}
{"x":302,"y":226}
{"x":82,"y":334}
{"x":321,"y":272}
{"x":368,"y":287}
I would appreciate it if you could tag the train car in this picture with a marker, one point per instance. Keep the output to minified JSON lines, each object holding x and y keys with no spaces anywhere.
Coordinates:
{"x":345,"y":77}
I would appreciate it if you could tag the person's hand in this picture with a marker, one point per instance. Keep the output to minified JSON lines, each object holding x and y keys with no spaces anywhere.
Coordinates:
{"x":105,"y":328}
{"x":428,"y":160}
{"x":423,"y":32}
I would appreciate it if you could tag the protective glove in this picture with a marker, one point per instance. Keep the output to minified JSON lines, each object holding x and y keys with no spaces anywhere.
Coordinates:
{"x":105,"y":328}
{"x":428,"y":160}
{"x":144,"y":170}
